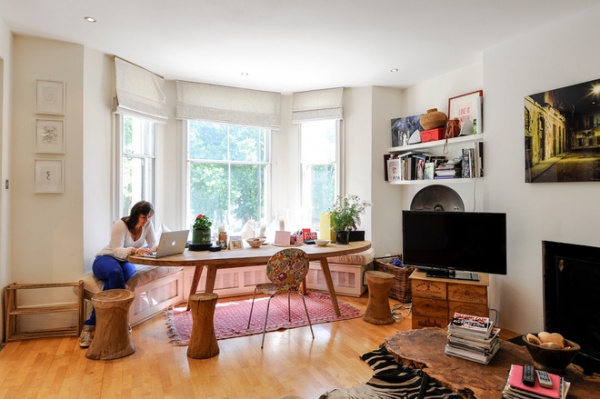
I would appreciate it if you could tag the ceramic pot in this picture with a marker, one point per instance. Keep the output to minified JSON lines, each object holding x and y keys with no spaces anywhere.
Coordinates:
{"x":453,"y":129}
{"x":342,"y":237}
{"x":201,"y":236}
{"x":433,"y":119}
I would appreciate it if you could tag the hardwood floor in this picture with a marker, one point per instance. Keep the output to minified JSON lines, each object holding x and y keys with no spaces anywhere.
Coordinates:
{"x":291,"y":363}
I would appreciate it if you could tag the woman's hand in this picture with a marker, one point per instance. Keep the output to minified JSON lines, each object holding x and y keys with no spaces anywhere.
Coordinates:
{"x":142,"y":251}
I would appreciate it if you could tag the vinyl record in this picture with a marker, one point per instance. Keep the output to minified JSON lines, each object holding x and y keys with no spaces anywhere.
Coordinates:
{"x":437,"y":198}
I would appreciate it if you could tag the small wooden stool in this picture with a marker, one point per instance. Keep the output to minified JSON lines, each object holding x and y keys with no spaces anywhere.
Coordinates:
{"x":112,"y":339}
{"x":378,"y":308}
{"x":203,"y":342}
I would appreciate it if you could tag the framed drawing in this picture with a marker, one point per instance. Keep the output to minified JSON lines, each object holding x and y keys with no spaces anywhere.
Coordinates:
{"x":467,"y":108}
{"x":48,"y":176}
{"x":50,"y":97}
{"x":49,"y":136}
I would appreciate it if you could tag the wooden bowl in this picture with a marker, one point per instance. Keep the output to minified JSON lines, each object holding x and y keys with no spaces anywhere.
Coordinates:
{"x":552,"y":360}
{"x":255,"y":242}
{"x":322,"y":243}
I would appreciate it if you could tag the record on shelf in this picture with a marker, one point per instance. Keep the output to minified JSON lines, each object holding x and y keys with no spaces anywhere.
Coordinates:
{"x":437,"y":198}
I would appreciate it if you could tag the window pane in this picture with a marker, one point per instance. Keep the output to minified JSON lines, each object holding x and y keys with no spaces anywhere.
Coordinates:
{"x":207,"y":140}
{"x":318,"y":143}
{"x":209,"y":190}
{"x":319,"y":182}
{"x":247,"y":144}
{"x":247,"y":194}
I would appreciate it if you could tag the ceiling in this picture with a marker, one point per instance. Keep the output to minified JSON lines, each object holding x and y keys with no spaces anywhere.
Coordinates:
{"x":290,"y":45}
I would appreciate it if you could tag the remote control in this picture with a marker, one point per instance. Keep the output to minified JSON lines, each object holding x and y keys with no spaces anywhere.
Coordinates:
{"x":544,"y":379}
{"x":528,"y":375}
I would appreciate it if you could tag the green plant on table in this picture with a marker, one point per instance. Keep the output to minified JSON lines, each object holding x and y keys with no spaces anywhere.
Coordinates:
{"x":202,"y":222}
{"x":345,"y":213}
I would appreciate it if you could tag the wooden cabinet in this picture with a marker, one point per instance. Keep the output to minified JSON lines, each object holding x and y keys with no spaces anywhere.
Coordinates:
{"x":435,"y":300}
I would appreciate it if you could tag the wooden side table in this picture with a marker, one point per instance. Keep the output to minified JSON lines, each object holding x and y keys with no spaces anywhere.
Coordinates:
{"x":378,"y":308}
{"x":203,"y":342}
{"x":111,"y":339}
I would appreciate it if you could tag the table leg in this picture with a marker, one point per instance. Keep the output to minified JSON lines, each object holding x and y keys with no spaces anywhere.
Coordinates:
{"x":195,"y":281}
{"x":211,"y":277}
{"x":330,"y":287}
{"x":424,"y":383}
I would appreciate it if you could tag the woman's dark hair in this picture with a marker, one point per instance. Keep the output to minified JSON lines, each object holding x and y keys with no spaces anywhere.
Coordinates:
{"x":140,"y":208}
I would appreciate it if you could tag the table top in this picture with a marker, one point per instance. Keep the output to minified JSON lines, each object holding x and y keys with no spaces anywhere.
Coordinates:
{"x":424,"y":349}
{"x":248,"y":256}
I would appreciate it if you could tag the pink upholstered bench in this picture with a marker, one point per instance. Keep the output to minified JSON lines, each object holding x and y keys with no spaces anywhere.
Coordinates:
{"x":155,"y":288}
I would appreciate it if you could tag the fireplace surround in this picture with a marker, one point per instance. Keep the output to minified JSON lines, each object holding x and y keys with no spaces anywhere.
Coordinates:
{"x":571,"y":277}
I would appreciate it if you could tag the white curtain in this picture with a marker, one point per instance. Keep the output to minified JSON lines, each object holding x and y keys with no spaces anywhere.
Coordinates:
{"x":318,"y":105}
{"x":139,"y":91}
{"x":228,"y":105}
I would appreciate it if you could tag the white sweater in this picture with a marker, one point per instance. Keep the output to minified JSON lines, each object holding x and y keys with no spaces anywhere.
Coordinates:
{"x":121,"y":242}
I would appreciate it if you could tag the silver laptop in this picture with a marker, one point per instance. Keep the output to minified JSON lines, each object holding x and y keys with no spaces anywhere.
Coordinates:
{"x":171,"y":243}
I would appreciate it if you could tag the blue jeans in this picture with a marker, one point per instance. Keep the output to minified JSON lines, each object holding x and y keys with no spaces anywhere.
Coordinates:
{"x":114,"y":272}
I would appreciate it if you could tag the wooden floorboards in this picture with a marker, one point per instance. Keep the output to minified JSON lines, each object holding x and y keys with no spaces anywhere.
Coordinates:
{"x":291,"y":363}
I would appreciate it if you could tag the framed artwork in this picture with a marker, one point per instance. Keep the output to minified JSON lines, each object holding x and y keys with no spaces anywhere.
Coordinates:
{"x":48,"y":176}
{"x":236,"y":242}
{"x":562,"y":135}
{"x":467,"y":108}
{"x":403,"y":128}
{"x":50,"y":98}
{"x":49,"y":136}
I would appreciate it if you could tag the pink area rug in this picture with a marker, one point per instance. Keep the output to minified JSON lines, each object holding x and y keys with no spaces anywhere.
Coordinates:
{"x":231,"y":317}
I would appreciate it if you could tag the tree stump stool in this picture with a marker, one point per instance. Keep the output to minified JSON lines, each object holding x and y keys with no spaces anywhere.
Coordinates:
{"x":111,"y":339}
{"x":203,"y":341}
{"x":378,"y":307}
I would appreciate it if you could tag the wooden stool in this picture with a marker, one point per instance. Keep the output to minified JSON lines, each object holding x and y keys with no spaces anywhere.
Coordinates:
{"x":378,"y":308}
{"x":203,"y":342}
{"x":112,"y":339}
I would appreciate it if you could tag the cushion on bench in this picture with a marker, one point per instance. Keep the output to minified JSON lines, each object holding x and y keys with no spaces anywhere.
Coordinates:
{"x":361,"y":258}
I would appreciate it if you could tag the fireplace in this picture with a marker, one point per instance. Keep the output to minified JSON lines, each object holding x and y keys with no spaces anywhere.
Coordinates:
{"x":572,"y":298}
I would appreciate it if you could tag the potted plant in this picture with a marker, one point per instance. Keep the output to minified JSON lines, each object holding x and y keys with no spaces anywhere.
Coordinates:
{"x":344,"y":215}
{"x":201,"y":230}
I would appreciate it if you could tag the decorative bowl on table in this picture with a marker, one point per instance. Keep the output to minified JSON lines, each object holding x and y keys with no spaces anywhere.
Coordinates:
{"x":322,"y":243}
{"x":550,"y":351}
{"x":255,"y":242}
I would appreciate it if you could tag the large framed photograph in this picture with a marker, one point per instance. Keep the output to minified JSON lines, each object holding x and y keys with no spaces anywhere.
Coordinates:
{"x":50,"y":98}
{"x":49,"y":136}
{"x":562,"y":135}
{"x":468,"y":109}
{"x":48,"y":176}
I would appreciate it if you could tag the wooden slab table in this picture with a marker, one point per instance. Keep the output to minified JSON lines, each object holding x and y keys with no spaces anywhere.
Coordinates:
{"x":226,"y":259}
{"x":424,"y":349}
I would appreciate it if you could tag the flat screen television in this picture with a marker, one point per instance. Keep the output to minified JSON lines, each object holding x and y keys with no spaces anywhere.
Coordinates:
{"x":456,"y":245}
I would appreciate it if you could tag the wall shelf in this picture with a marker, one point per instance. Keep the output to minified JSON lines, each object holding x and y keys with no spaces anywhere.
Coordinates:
{"x":437,"y":143}
{"x":429,"y":182}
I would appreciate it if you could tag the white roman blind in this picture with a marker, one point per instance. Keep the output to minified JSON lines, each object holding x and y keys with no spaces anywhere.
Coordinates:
{"x":139,"y":91}
{"x":318,"y":105}
{"x":231,"y":105}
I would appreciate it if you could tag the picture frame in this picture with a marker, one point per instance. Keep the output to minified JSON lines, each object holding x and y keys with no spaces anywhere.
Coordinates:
{"x":467,"y":107}
{"x":49,"y":136}
{"x":236,"y":242}
{"x":50,"y":97}
{"x":48,"y":176}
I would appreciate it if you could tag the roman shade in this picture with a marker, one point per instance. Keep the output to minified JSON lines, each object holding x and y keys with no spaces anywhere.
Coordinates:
{"x":231,"y":105}
{"x":318,"y":105}
{"x":139,"y":91}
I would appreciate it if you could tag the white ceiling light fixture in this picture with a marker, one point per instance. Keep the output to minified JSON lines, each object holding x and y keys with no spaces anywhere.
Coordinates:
{"x":91,"y":20}
{"x":394,"y":70}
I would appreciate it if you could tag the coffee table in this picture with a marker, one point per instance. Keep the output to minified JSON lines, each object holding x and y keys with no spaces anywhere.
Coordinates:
{"x":424,"y":349}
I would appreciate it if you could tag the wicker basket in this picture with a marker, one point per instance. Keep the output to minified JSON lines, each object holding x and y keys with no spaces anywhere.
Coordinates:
{"x":401,"y":287}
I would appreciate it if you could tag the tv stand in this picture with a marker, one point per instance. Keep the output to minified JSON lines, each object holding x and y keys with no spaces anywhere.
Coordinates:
{"x":435,"y":300}
{"x":452,"y":274}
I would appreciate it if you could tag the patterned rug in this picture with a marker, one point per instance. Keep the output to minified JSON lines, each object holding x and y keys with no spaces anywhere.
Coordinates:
{"x":231,"y":317}
{"x":391,"y":381}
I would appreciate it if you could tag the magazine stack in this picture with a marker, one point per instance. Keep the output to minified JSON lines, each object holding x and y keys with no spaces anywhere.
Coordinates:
{"x":515,"y":388}
{"x":473,"y":338}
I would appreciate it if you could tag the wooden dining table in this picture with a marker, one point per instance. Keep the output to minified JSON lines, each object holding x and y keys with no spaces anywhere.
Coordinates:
{"x":226,"y":259}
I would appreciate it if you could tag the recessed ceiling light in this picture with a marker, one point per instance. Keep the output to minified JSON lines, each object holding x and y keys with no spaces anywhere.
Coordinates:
{"x":90,"y":19}
{"x":394,"y":70}
{"x":244,"y":74}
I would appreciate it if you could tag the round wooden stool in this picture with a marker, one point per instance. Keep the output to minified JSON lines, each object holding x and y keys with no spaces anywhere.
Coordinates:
{"x":203,"y":342}
{"x":378,"y":308}
{"x":112,"y":339}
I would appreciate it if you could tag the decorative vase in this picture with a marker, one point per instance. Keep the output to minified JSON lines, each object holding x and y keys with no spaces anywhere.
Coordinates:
{"x":201,"y":236}
{"x":453,"y":129}
{"x":433,"y":119}
{"x":342,"y":237}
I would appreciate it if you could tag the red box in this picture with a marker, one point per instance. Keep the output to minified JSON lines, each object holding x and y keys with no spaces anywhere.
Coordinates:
{"x":432,"y":135}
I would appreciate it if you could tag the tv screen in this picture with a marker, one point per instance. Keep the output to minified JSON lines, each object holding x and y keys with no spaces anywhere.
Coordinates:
{"x":454,"y":244}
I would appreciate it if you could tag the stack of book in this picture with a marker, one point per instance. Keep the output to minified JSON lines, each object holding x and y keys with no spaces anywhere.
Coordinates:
{"x":448,"y":170}
{"x":473,"y":338}
{"x":515,"y":388}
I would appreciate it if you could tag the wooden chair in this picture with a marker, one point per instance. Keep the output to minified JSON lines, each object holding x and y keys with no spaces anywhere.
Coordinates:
{"x":286,"y":269}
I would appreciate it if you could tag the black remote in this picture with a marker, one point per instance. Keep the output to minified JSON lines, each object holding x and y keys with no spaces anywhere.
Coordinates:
{"x":528,"y":375}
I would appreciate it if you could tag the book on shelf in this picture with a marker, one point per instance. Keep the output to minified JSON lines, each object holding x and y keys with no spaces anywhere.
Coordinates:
{"x":468,"y":170}
{"x":515,"y":389}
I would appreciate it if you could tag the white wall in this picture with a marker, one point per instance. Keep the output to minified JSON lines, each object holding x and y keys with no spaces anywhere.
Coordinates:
{"x":563,"y":54}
